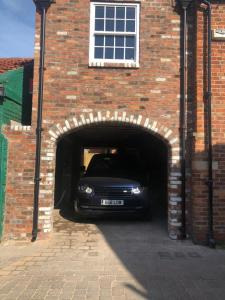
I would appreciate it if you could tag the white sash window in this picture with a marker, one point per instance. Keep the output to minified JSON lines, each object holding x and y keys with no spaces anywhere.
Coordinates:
{"x":114,"y":32}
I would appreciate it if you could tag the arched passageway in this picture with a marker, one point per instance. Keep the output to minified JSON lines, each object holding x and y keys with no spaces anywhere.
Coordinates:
{"x":75,"y":149}
{"x":157,"y":145}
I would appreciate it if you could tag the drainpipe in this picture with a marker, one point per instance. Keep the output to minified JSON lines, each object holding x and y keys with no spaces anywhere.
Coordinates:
{"x":184,"y":5}
{"x":42,"y":7}
{"x":210,"y":236}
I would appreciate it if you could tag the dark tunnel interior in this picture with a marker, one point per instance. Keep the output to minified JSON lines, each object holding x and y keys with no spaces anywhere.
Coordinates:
{"x":98,"y":138}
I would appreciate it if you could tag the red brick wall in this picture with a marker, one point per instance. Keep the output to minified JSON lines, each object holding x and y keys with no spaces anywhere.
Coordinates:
{"x":200,"y":173}
{"x":97,"y":88}
{"x":20,"y":178}
{"x":218,"y":117}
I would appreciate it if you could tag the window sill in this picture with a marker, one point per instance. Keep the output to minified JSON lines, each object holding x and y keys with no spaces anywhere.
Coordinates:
{"x":114,"y":65}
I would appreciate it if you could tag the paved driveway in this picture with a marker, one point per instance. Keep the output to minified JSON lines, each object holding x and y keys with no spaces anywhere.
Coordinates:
{"x":111,"y":260}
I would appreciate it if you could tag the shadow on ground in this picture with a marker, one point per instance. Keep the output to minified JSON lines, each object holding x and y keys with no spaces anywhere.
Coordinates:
{"x":134,"y":258}
{"x":131,"y":240}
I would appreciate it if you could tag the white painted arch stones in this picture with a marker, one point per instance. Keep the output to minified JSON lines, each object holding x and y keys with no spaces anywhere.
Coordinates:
{"x":76,"y":122}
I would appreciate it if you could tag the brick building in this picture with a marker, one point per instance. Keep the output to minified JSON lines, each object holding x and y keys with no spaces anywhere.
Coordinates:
{"x":16,"y":76}
{"x":112,"y":77}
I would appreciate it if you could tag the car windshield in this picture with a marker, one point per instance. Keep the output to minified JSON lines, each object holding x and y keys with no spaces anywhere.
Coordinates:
{"x":114,"y":165}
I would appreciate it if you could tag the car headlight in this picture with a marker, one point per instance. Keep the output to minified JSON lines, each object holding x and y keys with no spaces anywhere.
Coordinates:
{"x":89,"y":190}
{"x":136,"y":190}
{"x":86,"y":189}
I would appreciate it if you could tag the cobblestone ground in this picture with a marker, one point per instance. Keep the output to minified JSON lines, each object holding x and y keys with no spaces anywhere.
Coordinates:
{"x":111,"y":260}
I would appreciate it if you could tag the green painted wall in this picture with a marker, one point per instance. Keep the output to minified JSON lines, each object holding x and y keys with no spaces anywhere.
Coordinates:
{"x":17,"y":102}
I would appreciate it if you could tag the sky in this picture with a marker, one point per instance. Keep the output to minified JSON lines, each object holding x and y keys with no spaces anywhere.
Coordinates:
{"x":17,"y":18}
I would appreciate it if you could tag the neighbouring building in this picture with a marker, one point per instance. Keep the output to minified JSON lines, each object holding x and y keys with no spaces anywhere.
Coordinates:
{"x":113,"y":78}
{"x":16,"y":76}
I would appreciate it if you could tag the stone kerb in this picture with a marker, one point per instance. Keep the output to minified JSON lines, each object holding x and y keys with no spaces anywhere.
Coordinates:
{"x":83,"y":119}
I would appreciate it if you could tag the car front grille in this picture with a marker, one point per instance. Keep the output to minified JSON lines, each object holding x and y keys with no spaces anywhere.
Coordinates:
{"x":113,"y":193}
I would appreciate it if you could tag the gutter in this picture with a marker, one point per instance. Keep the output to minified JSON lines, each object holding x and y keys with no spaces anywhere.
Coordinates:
{"x":208,"y":96}
{"x":183,"y":126}
{"x":42,"y":7}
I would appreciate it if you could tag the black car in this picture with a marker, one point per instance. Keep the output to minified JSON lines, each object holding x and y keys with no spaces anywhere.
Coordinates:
{"x":112,"y":183}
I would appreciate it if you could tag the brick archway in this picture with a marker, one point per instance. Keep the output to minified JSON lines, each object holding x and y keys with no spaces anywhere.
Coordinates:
{"x":78,"y":121}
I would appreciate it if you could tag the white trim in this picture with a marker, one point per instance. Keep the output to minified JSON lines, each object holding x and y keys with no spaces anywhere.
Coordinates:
{"x":100,"y":62}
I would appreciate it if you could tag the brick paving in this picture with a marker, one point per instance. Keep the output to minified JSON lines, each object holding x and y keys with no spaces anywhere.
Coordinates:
{"x":104,"y":260}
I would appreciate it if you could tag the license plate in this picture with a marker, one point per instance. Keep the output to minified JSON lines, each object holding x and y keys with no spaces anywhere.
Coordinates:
{"x":112,"y":202}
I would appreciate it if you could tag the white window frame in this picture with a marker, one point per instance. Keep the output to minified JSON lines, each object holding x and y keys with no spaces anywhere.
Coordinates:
{"x":100,"y":62}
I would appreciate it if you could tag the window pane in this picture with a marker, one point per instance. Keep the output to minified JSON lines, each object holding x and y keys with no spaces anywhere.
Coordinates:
{"x":99,"y":12}
{"x":110,"y":12}
{"x":109,"y":40}
{"x":109,"y":53}
{"x":120,"y":41}
{"x":119,"y":53}
{"x":99,"y":25}
{"x":115,"y":20}
{"x":129,"y":53}
{"x":120,"y":12}
{"x":99,"y":40}
{"x":109,"y":25}
{"x":130,"y":41}
{"x":130,"y":13}
{"x":130,"y":26}
{"x":119,"y":25}
{"x":98,"y":52}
